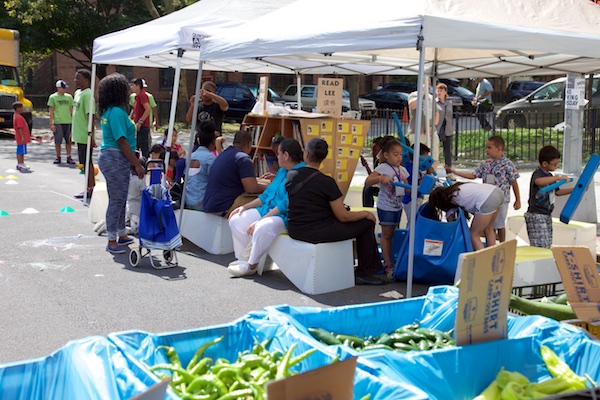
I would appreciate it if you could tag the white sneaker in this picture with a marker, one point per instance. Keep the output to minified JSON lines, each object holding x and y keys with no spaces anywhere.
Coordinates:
{"x":240,"y":268}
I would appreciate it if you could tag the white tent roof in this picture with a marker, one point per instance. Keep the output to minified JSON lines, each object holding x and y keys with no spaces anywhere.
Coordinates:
{"x":155,"y":43}
{"x":472,"y":38}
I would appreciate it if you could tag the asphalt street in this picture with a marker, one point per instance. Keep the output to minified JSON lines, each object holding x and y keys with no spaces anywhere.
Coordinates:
{"x":57,"y":282}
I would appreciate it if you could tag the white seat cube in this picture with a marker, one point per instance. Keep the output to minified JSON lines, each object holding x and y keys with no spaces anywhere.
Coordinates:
{"x":207,"y":231}
{"x":315,"y":268}
{"x":99,"y":203}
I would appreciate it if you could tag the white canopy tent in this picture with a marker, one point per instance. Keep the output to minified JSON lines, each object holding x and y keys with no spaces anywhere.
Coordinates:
{"x":461,"y":38}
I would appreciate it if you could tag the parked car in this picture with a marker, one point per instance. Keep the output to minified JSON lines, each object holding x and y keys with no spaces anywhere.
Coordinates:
{"x":309,"y":99}
{"x":275,"y":97}
{"x":519,"y":89}
{"x":543,"y":107}
{"x":389,"y":99}
{"x":240,"y":99}
{"x":459,"y":96}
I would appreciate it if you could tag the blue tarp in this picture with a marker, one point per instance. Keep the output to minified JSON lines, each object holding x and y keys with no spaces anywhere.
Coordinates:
{"x":116,"y":368}
{"x":241,"y":335}
{"x":91,"y":368}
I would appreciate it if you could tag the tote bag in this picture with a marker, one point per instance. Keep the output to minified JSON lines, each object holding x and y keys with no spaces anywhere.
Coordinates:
{"x":437,"y":247}
{"x":158,"y":226}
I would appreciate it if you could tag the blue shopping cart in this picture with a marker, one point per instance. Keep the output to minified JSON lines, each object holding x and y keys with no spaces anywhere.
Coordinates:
{"x":158,"y":227}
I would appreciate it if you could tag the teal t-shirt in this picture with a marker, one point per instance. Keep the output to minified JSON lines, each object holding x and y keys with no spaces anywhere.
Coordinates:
{"x":62,"y":103}
{"x":116,"y":124}
{"x":81,"y":110}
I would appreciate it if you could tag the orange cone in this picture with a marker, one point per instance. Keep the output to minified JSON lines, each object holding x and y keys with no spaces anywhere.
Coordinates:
{"x":405,"y":114}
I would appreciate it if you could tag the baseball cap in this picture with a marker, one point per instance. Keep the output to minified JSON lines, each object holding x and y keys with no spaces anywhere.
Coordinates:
{"x":61,"y":84}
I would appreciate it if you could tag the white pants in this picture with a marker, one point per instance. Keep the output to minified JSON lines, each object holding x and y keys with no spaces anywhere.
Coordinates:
{"x":265,"y":231}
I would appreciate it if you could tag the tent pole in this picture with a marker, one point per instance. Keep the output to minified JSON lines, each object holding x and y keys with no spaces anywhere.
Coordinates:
{"x":90,"y":132}
{"x":415,"y":169}
{"x":299,"y":90}
{"x":192,"y":133}
{"x":172,"y":115}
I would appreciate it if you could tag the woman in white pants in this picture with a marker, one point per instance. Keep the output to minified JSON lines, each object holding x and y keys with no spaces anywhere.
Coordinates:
{"x":265,"y":217}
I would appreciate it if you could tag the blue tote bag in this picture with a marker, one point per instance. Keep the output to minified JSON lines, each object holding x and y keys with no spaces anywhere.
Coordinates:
{"x":158,"y":226}
{"x":437,"y":246}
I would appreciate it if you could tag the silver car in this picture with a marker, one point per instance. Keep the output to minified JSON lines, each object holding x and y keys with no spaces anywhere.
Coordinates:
{"x":309,"y":99}
{"x":544,"y":107}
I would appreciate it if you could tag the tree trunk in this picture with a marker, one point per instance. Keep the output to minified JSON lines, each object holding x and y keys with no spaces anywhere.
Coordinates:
{"x":353,"y":87}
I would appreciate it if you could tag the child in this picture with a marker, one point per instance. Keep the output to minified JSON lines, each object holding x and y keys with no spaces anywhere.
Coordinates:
{"x":22,"y":135}
{"x":134,"y":198}
{"x":407,"y":199}
{"x":389,"y":202}
{"x":481,"y":200}
{"x":538,"y":217}
{"x":180,"y":163}
{"x":369,"y":192}
{"x":500,"y":171}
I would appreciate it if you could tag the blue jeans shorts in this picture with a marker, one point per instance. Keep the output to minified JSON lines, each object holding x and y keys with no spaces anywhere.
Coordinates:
{"x":21,"y":149}
{"x":389,"y":217}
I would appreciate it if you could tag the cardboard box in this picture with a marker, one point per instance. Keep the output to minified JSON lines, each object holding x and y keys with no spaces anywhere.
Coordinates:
{"x":485,"y":287}
{"x":333,"y":382}
{"x":581,"y":280}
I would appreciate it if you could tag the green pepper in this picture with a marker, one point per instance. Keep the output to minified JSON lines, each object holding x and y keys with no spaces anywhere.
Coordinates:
{"x":236,"y":394}
{"x":301,"y":357}
{"x":200,"y":352}
{"x":208,"y":383}
{"x":283,"y":367}
{"x":559,"y":369}
{"x":323,"y":336}
{"x":355,"y":339}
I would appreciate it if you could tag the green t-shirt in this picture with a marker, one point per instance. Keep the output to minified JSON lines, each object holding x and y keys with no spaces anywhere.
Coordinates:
{"x":150,"y":101}
{"x":116,"y":124}
{"x":81,"y":110}
{"x":62,"y":104}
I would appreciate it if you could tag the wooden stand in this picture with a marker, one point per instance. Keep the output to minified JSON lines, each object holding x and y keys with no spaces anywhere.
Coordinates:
{"x":345,"y":138}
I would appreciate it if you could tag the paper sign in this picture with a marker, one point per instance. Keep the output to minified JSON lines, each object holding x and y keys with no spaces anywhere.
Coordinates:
{"x":342,"y":176}
{"x":485,"y":287}
{"x":581,"y":280}
{"x":341,"y":164}
{"x":357,"y":129}
{"x":326,"y":126}
{"x":263,"y":89}
{"x":328,"y":139}
{"x":357,"y":141}
{"x":312,"y":130}
{"x":332,"y":382}
{"x":343,"y":127}
{"x":343,"y":152}
{"x":329,"y":96}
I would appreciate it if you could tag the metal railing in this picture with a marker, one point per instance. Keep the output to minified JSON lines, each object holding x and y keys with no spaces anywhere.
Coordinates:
{"x":524,"y":133}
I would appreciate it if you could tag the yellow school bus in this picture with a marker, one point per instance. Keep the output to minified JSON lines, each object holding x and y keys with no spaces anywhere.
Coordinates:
{"x":10,"y":84}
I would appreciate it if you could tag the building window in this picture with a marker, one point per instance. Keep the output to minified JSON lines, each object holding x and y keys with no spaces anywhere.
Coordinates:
{"x":166,"y":77}
{"x":126,"y":71}
{"x":250,"y":79}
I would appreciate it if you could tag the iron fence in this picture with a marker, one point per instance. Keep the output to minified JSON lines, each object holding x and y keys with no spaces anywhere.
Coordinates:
{"x":524,"y":134}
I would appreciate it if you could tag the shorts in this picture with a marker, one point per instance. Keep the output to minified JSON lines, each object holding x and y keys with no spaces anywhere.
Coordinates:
{"x":539,"y":229}
{"x":492,"y":203}
{"x":389,"y":218}
{"x":500,"y":222}
{"x":62,"y":131}
{"x":21,"y":149}
{"x":81,"y":154}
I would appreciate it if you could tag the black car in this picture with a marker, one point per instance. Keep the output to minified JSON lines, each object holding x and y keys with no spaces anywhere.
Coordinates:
{"x":465,"y":94}
{"x":519,"y":89}
{"x":240,"y":99}
{"x":388,"y":99}
{"x":405,"y":87}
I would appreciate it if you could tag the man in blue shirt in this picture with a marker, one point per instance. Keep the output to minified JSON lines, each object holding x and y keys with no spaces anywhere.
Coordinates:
{"x":483,"y":100}
{"x":231,"y":175}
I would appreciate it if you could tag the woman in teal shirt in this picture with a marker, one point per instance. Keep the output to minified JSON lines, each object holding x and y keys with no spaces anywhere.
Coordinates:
{"x":264,"y":218}
{"x":116,"y":156}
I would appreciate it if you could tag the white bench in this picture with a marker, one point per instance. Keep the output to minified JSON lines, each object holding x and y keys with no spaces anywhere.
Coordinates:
{"x":207,"y":231}
{"x":575,"y":233}
{"x":99,"y":203}
{"x":314,"y":268}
